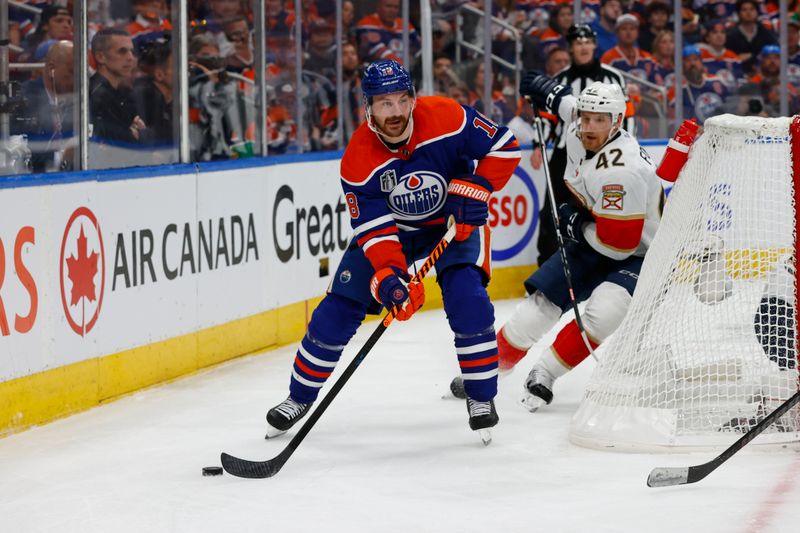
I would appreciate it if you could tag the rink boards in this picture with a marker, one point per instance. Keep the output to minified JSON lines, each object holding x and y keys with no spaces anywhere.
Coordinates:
{"x":111,"y":281}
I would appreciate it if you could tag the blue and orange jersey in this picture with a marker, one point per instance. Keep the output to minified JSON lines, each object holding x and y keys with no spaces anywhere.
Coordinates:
{"x":141,"y":26}
{"x":549,"y":39}
{"x":389,"y":191}
{"x":378,"y":41}
{"x":723,"y":64}
{"x":643,"y":65}
{"x":663,"y":75}
{"x":701,"y":101}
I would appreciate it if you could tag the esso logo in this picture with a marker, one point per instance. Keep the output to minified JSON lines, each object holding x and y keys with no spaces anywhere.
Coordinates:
{"x":513,"y":216}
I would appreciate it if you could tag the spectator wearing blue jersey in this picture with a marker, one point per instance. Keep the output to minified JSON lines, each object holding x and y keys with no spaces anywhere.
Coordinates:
{"x":604,"y":26}
{"x":719,"y":60}
{"x":380,"y":35}
{"x":702,"y":97}
{"x":769,"y":64}
{"x":768,"y":80}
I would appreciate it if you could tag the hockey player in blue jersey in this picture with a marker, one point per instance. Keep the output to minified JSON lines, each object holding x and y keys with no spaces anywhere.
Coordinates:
{"x":414,"y":162}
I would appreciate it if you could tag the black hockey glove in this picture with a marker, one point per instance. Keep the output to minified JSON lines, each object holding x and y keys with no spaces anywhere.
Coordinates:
{"x":468,"y":202}
{"x":545,"y":92}
{"x":571,"y":221}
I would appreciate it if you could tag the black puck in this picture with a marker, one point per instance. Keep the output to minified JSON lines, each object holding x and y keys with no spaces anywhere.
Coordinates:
{"x":212,"y":470}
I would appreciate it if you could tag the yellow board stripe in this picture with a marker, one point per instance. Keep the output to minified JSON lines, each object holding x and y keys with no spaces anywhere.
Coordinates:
{"x":62,"y":391}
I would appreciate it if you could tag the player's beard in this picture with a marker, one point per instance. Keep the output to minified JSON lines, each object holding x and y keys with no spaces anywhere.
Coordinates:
{"x":394,"y":129}
{"x":594,"y":141}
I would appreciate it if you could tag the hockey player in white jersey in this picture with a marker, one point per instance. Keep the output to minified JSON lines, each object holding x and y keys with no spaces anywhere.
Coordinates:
{"x":616,"y":208}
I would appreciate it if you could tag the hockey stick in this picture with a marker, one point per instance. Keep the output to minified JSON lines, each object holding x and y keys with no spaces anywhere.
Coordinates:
{"x":669,"y":476}
{"x":263,"y":469}
{"x":559,"y":238}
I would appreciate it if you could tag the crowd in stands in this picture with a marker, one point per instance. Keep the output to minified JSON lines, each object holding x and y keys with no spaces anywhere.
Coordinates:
{"x":730,"y":64}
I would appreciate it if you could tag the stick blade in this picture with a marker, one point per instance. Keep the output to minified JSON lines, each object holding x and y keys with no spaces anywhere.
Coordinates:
{"x":668,"y":477}
{"x":250,"y":469}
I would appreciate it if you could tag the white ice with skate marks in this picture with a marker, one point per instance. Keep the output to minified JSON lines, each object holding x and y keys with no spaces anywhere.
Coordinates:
{"x":389,"y":455}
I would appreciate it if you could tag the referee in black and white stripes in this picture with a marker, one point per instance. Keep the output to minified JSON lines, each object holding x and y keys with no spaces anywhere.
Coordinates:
{"x":585,"y":69}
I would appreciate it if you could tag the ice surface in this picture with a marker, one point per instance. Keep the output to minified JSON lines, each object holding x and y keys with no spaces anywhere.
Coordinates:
{"x":389,"y":455}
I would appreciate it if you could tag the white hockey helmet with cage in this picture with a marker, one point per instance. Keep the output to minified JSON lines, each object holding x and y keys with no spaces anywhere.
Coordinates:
{"x":604,"y":98}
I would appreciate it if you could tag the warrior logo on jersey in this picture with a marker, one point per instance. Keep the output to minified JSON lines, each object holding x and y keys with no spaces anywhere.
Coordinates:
{"x":388,"y":180}
{"x":417,"y":195}
{"x":612,"y":196}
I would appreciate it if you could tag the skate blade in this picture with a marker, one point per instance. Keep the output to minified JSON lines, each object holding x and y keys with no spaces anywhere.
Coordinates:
{"x":273,"y":432}
{"x":485,"y":435}
{"x":532,"y":403}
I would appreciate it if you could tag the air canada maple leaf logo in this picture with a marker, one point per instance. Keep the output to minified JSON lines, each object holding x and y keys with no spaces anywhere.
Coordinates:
{"x":82,"y":268}
{"x":81,"y":271}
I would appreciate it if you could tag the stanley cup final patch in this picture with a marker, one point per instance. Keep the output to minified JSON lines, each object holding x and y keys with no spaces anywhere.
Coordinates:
{"x":388,"y":180}
{"x":612,"y":196}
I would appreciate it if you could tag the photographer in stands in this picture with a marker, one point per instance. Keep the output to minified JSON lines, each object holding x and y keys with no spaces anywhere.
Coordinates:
{"x":217,"y":111}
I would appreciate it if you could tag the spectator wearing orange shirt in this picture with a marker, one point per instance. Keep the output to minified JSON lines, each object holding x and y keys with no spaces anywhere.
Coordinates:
{"x":626,"y":55}
{"x":380,"y":34}
{"x":554,"y":36}
{"x":702,"y":96}
{"x":150,"y":17}
{"x":279,"y":23}
{"x":718,"y":60}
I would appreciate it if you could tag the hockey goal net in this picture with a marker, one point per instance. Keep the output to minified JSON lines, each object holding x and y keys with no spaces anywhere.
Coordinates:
{"x":707,"y":348}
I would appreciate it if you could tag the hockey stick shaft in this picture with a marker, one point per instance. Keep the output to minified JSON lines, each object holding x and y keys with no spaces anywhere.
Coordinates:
{"x":263,"y":469}
{"x":559,"y":238}
{"x":668,"y":476}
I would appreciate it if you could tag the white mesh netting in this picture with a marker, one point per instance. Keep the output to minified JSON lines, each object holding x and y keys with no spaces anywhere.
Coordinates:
{"x":708,"y":345}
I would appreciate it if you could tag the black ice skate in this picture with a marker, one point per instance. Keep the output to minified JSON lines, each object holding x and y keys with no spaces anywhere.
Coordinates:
{"x":538,"y":388}
{"x":482,"y":416}
{"x":284,"y":415}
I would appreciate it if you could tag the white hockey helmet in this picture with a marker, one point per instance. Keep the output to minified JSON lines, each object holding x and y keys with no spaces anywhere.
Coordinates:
{"x":604,"y":98}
